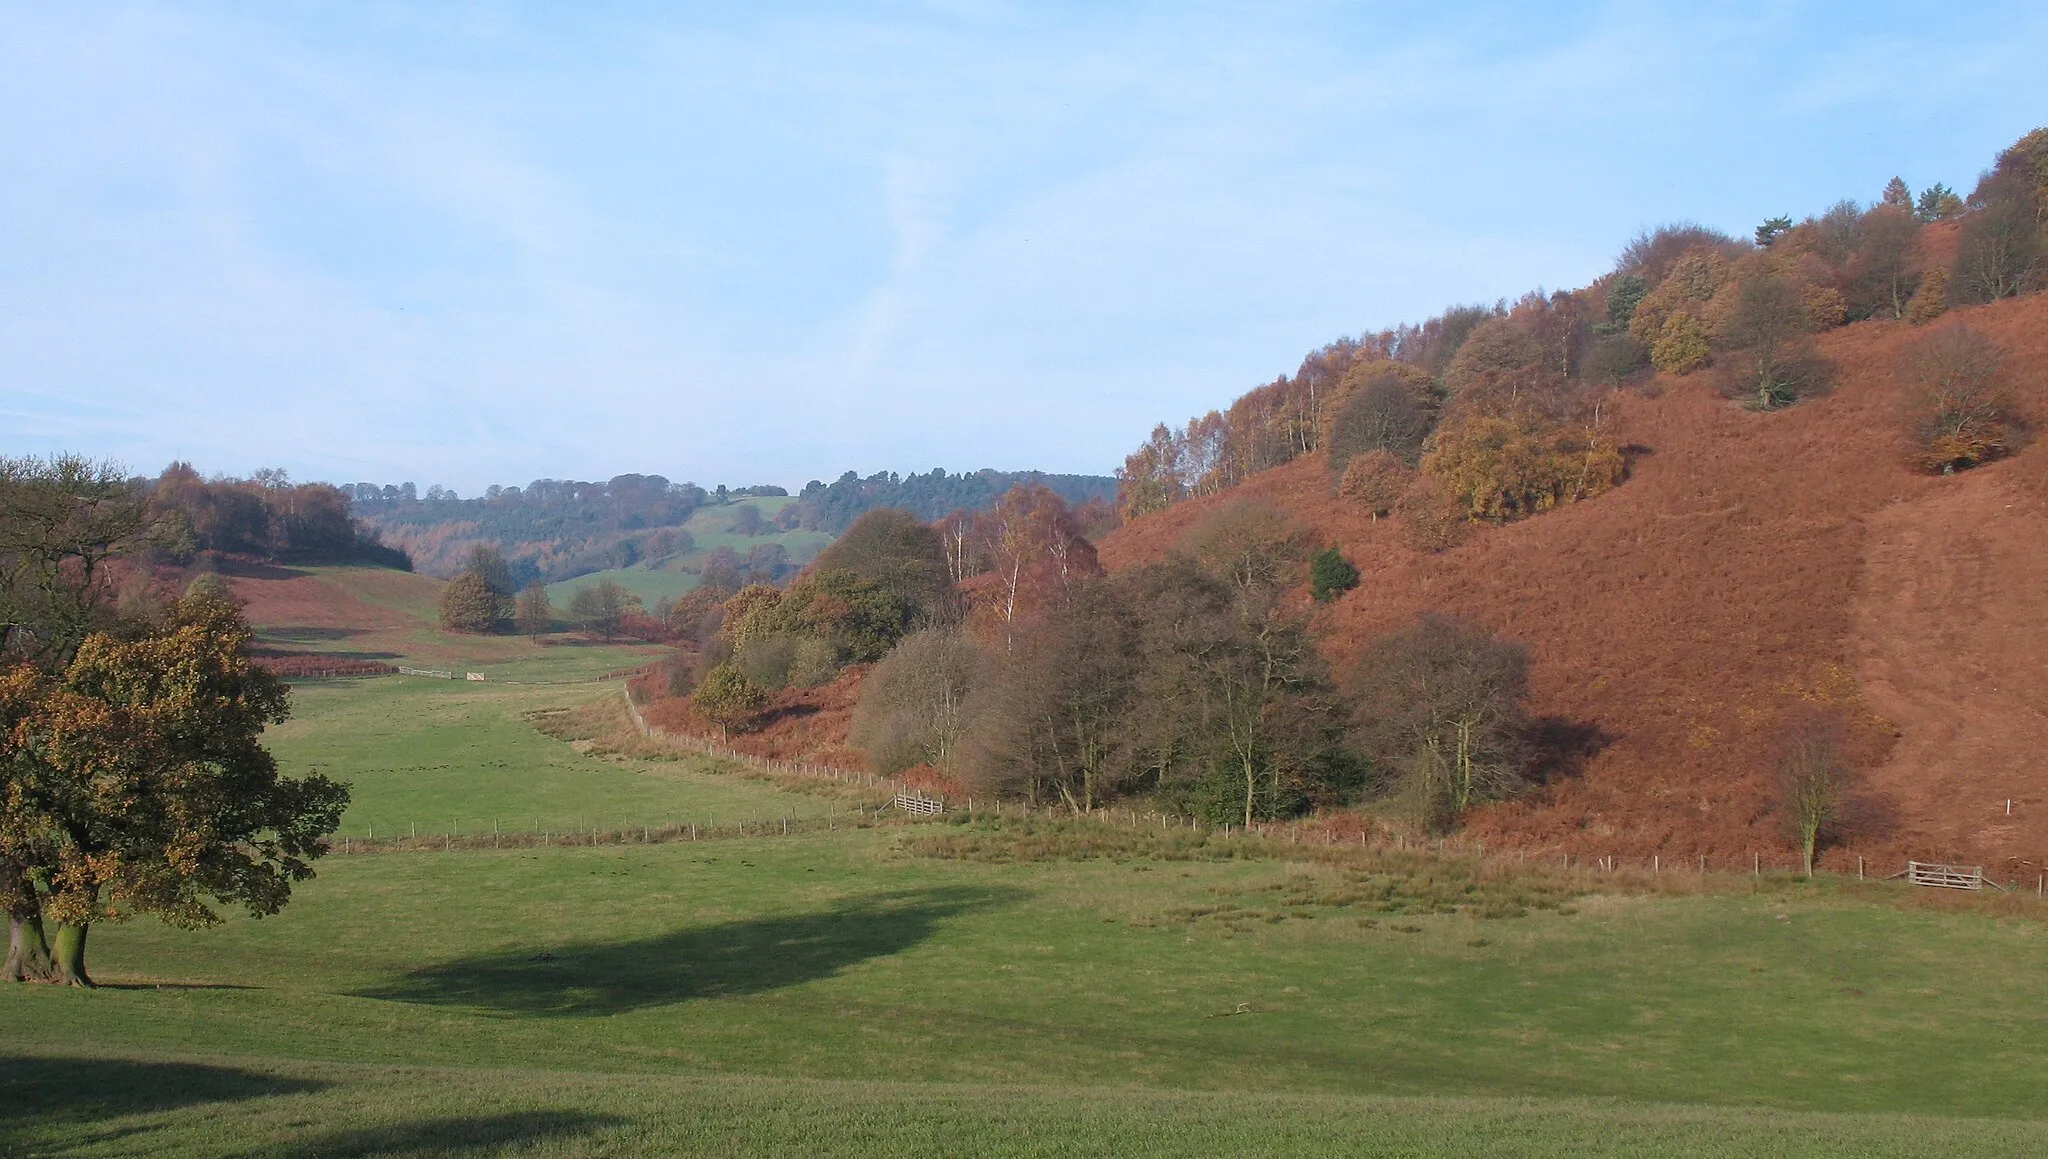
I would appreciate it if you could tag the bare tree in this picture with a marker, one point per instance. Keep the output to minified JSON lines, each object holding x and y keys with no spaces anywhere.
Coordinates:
{"x":911,"y":709}
{"x":1813,"y":783}
{"x":1441,"y":704}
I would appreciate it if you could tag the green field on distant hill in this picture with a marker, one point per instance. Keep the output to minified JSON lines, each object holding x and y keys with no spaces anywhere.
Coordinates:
{"x":848,"y":992}
{"x":711,"y":528}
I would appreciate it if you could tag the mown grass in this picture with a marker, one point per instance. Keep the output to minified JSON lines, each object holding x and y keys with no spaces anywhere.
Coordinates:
{"x":92,"y":1107}
{"x":841,"y":956}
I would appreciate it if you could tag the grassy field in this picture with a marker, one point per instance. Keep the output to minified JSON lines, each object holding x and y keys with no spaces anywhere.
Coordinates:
{"x":455,"y":757}
{"x":711,"y":528}
{"x":1003,"y":988}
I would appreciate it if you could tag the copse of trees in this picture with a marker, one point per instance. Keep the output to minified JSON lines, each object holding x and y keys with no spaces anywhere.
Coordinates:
{"x":885,"y":579}
{"x":1198,"y":681}
{"x":601,"y":608}
{"x":266,"y":516}
{"x":479,"y":598}
{"x":551,"y":529}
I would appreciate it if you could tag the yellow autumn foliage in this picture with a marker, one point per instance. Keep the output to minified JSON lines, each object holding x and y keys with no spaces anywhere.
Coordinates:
{"x":1507,"y":468}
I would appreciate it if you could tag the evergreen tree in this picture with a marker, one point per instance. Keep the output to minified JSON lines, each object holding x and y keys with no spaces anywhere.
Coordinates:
{"x":1330,"y":575}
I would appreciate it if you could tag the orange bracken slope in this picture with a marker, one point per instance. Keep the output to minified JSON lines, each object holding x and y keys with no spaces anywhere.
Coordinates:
{"x":1753,"y":564}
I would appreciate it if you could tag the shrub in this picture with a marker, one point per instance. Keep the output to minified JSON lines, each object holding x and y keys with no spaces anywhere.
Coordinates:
{"x":1376,"y":481}
{"x":1330,"y":575}
{"x":1432,"y":516}
{"x":1508,"y":468}
{"x":1955,"y":399}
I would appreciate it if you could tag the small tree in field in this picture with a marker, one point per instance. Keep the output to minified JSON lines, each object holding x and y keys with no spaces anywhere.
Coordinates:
{"x":728,"y":699}
{"x":468,"y":604}
{"x":1813,"y":782}
{"x":532,"y":612}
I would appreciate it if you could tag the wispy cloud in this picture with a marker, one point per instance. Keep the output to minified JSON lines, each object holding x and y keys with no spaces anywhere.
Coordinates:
{"x":489,"y":243}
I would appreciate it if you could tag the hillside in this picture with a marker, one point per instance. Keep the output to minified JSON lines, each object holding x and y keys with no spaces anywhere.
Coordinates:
{"x":1751,"y":563}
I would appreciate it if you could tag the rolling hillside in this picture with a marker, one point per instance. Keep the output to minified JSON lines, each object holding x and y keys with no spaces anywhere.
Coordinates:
{"x":388,"y":617}
{"x":1751,"y":564}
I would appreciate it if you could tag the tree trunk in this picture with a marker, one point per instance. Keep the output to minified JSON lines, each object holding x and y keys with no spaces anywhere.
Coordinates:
{"x":1811,"y":838}
{"x":28,"y":951}
{"x":69,"y":953}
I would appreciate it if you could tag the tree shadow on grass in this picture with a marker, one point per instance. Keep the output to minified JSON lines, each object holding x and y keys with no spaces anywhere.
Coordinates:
{"x":454,"y":1135}
{"x":744,"y":957}
{"x":40,"y":1091}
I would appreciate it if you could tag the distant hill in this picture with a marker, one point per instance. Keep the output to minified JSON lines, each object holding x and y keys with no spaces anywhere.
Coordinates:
{"x":742,"y":536}
{"x":551,"y":529}
{"x":557,"y":530}
{"x":833,"y":507}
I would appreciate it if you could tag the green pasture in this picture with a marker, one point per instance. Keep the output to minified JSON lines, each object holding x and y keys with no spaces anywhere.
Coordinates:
{"x":453,"y":757}
{"x":978,"y":988}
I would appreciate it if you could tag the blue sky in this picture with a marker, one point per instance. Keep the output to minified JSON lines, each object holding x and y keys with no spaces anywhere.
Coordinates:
{"x":476,"y":243}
